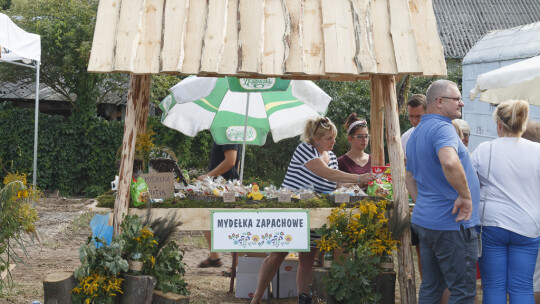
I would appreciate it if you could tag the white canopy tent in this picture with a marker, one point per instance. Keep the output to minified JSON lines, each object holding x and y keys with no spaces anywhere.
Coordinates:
{"x":24,"y":49}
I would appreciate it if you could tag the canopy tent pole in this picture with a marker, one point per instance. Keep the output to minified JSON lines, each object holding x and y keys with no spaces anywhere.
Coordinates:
{"x":36,"y":118}
{"x":245,"y":138}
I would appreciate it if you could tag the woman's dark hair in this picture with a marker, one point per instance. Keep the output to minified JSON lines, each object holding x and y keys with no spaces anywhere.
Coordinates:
{"x":352,"y":119}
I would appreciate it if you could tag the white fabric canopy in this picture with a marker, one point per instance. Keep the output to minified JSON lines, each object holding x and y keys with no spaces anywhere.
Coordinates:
{"x":516,"y":81}
{"x":18,"y":45}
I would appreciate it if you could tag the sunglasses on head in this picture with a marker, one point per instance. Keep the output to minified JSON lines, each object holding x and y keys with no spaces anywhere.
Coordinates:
{"x":325,"y":123}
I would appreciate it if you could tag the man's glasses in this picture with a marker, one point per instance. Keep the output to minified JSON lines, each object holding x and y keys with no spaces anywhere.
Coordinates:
{"x":325,"y":123}
{"x":361,"y":136}
{"x":466,"y":134}
{"x":453,"y":98}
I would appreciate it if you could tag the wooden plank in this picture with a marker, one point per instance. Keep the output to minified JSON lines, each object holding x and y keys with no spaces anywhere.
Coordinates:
{"x":136,"y":115}
{"x":102,"y":54}
{"x":214,"y":36}
{"x":128,"y":35}
{"x":384,"y":46}
{"x":174,"y":32}
{"x":363,"y":26}
{"x":148,"y":49}
{"x":312,"y":38}
{"x":338,"y":34}
{"x":294,"y":63}
{"x":197,"y":20}
{"x":402,"y":32}
{"x":251,"y":35}
{"x":196,"y":219}
{"x":276,"y":30}
{"x":377,"y":122}
{"x":430,"y":49}
{"x":229,"y":61}
{"x":401,"y":198}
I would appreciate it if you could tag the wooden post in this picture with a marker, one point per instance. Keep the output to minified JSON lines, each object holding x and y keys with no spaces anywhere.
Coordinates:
{"x":169,"y":298}
{"x":377,"y":122}
{"x":136,"y":117}
{"x":401,"y":201}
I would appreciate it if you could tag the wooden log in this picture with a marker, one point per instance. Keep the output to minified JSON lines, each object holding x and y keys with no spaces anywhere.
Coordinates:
{"x":169,"y":298}
{"x":137,"y":289}
{"x":57,"y":287}
{"x":136,"y":116}
{"x":319,"y":288}
{"x":174,"y":32}
{"x":401,"y":199}
{"x":377,"y":122}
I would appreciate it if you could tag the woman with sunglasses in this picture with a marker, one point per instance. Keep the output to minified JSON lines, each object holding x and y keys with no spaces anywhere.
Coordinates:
{"x":313,"y":166}
{"x":356,"y":160}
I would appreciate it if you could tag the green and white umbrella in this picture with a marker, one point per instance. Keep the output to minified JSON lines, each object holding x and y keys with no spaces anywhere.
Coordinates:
{"x":220,"y":105}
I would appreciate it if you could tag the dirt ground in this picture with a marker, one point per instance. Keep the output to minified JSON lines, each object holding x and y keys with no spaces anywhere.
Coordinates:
{"x":64,"y":226}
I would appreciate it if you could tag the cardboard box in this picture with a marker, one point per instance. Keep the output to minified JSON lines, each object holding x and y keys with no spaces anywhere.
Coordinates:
{"x":284,"y":285}
{"x":246,"y":285}
{"x":247,"y":275}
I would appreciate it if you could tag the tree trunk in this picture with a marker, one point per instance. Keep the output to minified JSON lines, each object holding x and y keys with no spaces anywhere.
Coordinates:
{"x":401,"y":199}
{"x":135,"y":122}
{"x":376,"y":122}
{"x":137,"y":289}
{"x":57,"y":287}
{"x":169,"y":298}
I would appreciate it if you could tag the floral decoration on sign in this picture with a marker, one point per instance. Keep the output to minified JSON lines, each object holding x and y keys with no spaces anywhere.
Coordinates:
{"x":247,"y":239}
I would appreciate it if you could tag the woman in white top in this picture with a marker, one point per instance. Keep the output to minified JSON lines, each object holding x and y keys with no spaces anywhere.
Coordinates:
{"x":315,"y":166}
{"x":509,"y":173}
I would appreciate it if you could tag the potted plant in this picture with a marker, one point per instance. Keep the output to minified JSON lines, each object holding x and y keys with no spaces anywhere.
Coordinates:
{"x":98,"y":280}
{"x":362,"y":233}
{"x":140,"y":246}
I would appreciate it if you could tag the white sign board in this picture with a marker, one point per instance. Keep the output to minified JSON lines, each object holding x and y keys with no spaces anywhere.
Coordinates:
{"x":260,"y":230}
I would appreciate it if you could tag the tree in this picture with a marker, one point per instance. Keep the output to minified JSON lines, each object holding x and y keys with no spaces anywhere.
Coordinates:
{"x":66,"y":29}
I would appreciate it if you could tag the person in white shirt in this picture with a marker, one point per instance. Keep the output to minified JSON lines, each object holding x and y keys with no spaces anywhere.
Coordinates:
{"x":509,"y":173}
{"x":416,"y":107}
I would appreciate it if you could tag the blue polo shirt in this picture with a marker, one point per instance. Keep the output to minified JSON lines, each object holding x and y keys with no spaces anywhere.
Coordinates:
{"x":433,"y":209}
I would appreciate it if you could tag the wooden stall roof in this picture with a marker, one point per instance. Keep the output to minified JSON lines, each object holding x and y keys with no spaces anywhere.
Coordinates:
{"x":301,"y":39}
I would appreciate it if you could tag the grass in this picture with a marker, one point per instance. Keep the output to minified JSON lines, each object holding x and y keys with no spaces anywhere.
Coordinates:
{"x":82,"y":222}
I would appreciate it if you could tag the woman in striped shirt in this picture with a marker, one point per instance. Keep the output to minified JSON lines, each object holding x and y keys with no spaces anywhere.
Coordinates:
{"x":313,"y":166}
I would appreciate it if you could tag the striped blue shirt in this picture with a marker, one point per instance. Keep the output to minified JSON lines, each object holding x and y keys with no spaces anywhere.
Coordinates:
{"x":299,"y":177}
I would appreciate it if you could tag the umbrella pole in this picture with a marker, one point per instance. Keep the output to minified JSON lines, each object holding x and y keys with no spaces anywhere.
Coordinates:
{"x":245,"y":137}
